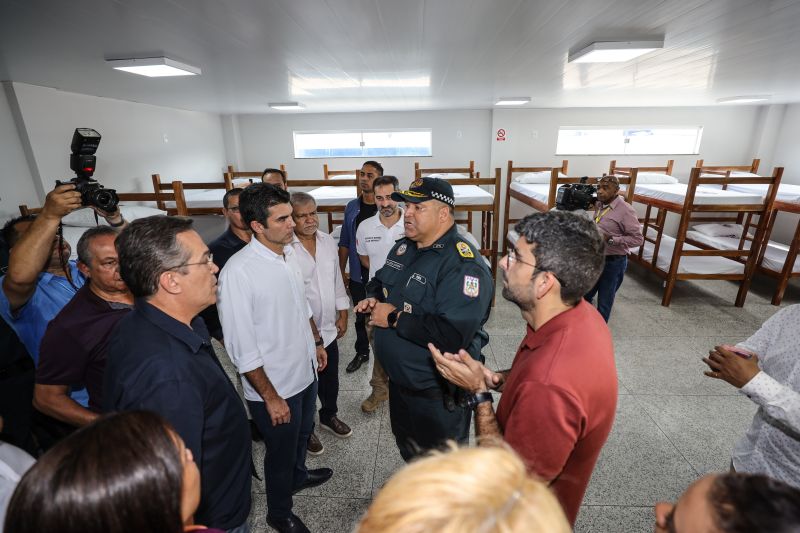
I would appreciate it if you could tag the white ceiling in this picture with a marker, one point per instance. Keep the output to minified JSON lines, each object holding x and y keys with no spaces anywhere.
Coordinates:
{"x":339,"y":55}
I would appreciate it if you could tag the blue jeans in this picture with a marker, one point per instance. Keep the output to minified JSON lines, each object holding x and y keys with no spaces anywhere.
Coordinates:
{"x":606,"y":287}
{"x":285,"y":457}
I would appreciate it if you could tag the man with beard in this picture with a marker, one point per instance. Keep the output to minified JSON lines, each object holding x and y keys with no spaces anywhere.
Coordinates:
{"x":316,"y":252}
{"x":355,"y":213}
{"x":75,"y":346}
{"x":560,"y":394}
{"x":435,"y":288}
{"x":374,"y":240}
{"x":271,"y":337}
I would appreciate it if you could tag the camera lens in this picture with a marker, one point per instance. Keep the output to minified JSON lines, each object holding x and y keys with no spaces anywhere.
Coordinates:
{"x":105,"y":199}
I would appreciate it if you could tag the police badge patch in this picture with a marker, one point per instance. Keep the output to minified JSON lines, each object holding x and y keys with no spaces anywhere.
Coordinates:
{"x":472,"y":286}
{"x":407,"y":307}
{"x":464,"y":250}
{"x":401,"y":249}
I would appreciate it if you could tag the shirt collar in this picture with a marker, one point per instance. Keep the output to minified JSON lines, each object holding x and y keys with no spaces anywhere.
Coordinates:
{"x":263,"y":251}
{"x":194,"y":337}
{"x":231,"y":238}
{"x":377,"y":222}
{"x":536,"y":338}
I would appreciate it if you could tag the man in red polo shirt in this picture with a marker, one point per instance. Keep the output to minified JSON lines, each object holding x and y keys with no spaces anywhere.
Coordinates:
{"x":560,"y":394}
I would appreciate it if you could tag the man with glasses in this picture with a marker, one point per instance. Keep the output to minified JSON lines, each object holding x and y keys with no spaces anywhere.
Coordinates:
{"x":75,"y":346}
{"x":160,"y":359}
{"x":235,"y":237}
{"x":618,"y":224}
{"x":560,"y":394}
{"x":434,"y":287}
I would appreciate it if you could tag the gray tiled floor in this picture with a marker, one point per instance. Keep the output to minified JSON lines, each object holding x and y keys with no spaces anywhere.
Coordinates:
{"x":672,"y":424}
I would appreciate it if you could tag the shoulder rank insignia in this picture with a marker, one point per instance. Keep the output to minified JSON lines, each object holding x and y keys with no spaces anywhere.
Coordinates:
{"x":401,"y":249}
{"x":464,"y":250}
{"x":472,"y":286}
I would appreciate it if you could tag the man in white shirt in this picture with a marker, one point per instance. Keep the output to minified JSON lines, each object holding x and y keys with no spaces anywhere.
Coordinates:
{"x":270,"y":336}
{"x":318,"y":255}
{"x":375,"y":238}
{"x":766,"y":368}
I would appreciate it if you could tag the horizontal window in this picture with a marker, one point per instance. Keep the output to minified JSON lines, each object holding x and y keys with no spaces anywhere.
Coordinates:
{"x":367,"y":143}
{"x":629,"y":140}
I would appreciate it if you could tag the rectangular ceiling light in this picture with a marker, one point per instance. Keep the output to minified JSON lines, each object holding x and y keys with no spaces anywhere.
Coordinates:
{"x":614,"y":51}
{"x":287,"y":106}
{"x":743,"y":99}
{"x":154,"y":67}
{"x":513,"y":100}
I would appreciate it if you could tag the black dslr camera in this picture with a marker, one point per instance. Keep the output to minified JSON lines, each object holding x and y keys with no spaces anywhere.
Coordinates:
{"x":576,"y":196}
{"x":82,"y":162}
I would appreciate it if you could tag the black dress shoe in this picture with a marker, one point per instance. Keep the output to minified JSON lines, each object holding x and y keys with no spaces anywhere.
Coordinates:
{"x":291,"y":524}
{"x":357,"y":361}
{"x":318,"y":476}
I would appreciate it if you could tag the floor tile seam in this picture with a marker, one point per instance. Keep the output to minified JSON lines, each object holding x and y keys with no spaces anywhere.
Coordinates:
{"x":663,"y":432}
{"x":377,"y":452}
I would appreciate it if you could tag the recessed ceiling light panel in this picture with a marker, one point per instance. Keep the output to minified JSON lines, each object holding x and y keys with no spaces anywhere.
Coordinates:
{"x":513,"y":100}
{"x":751,"y":99}
{"x":287,"y":106}
{"x":154,"y":67}
{"x":614,"y":51}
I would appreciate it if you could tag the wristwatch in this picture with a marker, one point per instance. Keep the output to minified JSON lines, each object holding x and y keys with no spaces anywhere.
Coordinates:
{"x":320,"y":342}
{"x":391,"y":318}
{"x":474,"y":400}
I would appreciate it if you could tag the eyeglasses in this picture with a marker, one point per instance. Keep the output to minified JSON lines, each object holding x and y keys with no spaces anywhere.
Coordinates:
{"x":513,"y":257}
{"x":233,"y":209}
{"x":209,"y":260}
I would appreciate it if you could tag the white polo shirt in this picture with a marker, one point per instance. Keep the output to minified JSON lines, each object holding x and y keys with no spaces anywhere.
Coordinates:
{"x":375,"y":240}
{"x":264,"y":314}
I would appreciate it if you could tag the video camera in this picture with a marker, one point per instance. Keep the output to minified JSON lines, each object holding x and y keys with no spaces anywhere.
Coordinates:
{"x":82,"y":161}
{"x":576,"y":196}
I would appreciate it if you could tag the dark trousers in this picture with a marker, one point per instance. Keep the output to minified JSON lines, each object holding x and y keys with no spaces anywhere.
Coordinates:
{"x":422,"y":423}
{"x":285,"y":457}
{"x":16,"y":404}
{"x":358,"y":292}
{"x":606,"y":287}
{"x":329,"y":384}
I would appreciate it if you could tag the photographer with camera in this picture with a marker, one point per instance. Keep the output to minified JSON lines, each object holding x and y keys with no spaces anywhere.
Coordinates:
{"x":618,"y":224}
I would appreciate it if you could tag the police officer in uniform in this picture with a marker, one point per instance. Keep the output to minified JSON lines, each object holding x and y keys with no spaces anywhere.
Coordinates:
{"x":434,"y":288}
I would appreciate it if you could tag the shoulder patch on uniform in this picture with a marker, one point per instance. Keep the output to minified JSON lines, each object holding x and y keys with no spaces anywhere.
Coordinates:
{"x":385,"y":292}
{"x":401,"y":249}
{"x":464,"y":250}
{"x":472,"y":286}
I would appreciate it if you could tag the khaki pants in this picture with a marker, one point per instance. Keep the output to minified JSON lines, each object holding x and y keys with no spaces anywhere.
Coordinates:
{"x":379,"y":381}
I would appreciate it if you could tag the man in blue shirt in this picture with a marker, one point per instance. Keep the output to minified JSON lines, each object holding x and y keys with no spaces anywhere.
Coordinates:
{"x":356,"y":212}
{"x":160,"y":359}
{"x":40,"y":281}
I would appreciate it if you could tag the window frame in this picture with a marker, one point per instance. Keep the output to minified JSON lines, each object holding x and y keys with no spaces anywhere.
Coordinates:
{"x":625,"y":140}
{"x":295,"y":133}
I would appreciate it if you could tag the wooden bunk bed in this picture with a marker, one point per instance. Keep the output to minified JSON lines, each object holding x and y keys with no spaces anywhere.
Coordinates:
{"x":775,"y":259}
{"x":540,"y":196}
{"x":471,"y":197}
{"x":680,"y":259}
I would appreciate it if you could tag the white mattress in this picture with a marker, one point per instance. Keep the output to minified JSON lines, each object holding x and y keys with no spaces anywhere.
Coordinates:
{"x":536,"y":191}
{"x":331,"y":195}
{"x":774,"y":257}
{"x":676,"y":193}
{"x":472,"y":195}
{"x":786,"y":191}
{"x":690,"y":265}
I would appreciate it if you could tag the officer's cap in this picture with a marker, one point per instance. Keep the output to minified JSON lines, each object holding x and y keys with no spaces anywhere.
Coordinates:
{"x":425,"y":189}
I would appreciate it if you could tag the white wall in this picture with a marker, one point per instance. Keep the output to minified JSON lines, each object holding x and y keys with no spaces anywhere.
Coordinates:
{"x":16,"y":183}
{"x":458,"y":137}
{"x":138,"y":139}
{"x":787,"y":155}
